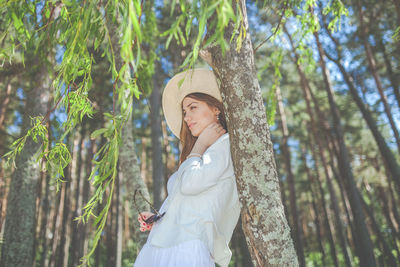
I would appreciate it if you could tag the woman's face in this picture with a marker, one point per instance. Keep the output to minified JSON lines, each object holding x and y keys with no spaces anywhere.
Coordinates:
{"x":198,"y":115}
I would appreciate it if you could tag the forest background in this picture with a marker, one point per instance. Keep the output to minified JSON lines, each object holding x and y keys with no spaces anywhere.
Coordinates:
{"x":80,"y":78}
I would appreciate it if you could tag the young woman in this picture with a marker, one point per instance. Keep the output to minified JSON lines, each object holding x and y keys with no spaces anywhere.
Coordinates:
{"x":202,"y":207}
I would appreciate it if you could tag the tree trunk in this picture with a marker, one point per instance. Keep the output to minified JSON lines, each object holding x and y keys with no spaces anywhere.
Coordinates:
{"x":159,"y":193}
{"x":130,"y":170}
{"x":19,"y":236}
{"x":263,"y":219}
{"x":315,"y":212}
{"x":328,"y":227}
{"x":119,"y":228}
{"x":375,"y":75}
{"x":78,"y":196}
{"x":394,"y":79}
{"x":387,"y":253}
{"x":305,"y":85}
{"x":387,"y":155}
{"x":365,"y":248}
{"x":4,"y":103}
{"x":297,"y":230}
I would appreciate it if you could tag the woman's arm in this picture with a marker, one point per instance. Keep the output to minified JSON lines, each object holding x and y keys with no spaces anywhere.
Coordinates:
{"x":199,"y":174}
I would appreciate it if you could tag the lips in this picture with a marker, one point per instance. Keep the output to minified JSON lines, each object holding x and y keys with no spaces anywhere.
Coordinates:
{"x":190,"y":125}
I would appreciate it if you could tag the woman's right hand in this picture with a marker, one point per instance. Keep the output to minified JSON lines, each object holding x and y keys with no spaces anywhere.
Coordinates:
{"x":143,"y":225}
{"x":210,"y":134}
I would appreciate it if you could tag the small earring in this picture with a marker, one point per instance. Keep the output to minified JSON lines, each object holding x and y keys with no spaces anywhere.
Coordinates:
{"x":218,"y":116}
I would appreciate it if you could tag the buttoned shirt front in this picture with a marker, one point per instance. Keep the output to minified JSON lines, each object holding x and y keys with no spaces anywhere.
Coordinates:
{"x":202,"y":203}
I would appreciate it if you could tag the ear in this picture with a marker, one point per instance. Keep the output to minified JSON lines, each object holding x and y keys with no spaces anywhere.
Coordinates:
{"x":216,"y":111}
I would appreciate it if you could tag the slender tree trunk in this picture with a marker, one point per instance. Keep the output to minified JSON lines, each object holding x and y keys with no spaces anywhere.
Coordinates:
{"x":375,"y":75}
{"x":305,"y":85}
{"x":365,"y":248}
{"x":59,"y":228}
{"x":119,"y":228}
{"x":315,"y":212}
{"x":298,"y":235}
{"x":394,"y":203}
{"x":387,"y":155}
{"x":130,"y":170}
{"x":54,"y":233}
{"x":394,"y":79}
{"x":387,"y":253}
{"x":64,"y":231}
{"x":386,"y":212}
{"x":263,"y":219}
{"x":397,"y":5}
{"x":4,"y":103}
{"x":324,"y":209}
{"x":159,"y":193}
{"x":77,"y":195}
{"x":19,"y":236}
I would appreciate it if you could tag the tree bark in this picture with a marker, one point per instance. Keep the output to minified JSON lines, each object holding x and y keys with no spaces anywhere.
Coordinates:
{"x":297,"y":230}
{"x":19,"y":236}
{"x":263,"y":219}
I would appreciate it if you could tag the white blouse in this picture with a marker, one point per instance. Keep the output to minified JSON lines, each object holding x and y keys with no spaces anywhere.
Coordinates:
{"x":202,"y":203}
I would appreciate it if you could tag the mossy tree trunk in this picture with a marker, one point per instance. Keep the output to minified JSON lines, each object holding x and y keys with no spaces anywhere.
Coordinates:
{"x":263,"y":218}
{"x":19,"y":234}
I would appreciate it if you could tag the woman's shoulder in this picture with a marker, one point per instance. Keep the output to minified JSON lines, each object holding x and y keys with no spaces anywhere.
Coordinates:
{"x":221,"y":143}
{"x":222,"y":139}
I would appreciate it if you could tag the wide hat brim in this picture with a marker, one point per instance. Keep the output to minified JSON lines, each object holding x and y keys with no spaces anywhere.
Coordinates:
{"x":182,"y":84}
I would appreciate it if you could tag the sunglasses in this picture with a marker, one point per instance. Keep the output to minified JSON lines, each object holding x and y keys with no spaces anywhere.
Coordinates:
{"x":153,"y":218}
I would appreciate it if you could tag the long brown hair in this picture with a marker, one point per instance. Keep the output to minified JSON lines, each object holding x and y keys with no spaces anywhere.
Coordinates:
{"x":186,"y":138}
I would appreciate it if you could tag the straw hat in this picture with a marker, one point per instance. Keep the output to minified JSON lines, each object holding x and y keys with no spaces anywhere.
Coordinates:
{"x":182,"y":84}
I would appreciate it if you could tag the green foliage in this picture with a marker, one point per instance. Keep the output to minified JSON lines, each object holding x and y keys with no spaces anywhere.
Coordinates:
{"x":202,"y":12}
{"x":57,"y":159}
{"x":337,"y":9}
{"x":396,"y":35}
{"x":80,"y":27}
{"x":38,"y":130}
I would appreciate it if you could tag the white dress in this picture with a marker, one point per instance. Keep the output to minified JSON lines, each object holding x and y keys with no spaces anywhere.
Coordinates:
{"x":202,"y":210}
{"x":192,"y":253}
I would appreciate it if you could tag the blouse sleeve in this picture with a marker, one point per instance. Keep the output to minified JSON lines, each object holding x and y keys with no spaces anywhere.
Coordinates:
{"x":199,"y":174}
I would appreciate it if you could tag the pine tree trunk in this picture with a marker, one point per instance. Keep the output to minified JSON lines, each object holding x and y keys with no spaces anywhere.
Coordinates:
{"x":78,"y":196}
{"x":375,"y":75}
{"x":263,"y":219}
{"x":19,"y":236}
{"x":387,"y":253}
{"x":58,"y":225}
{"x":324,"y":209}
{"x":394,"y":79}
{"x":297,"y":230}
{"x":365,"y":248}
{"x":305,"y":85}
{"x":64,"y":231}
{"x":387,"y":155}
